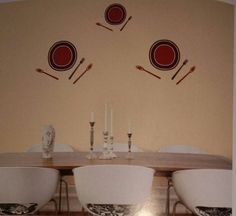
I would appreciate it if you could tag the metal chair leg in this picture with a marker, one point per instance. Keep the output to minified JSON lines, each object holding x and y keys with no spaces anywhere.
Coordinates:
{"x":83,"y":212}
{"x":55,"y":204}
{"x":170,"y":184}
{"x":60,"y":193}
{"x":67,"y":196}
{"x":174,"y":207}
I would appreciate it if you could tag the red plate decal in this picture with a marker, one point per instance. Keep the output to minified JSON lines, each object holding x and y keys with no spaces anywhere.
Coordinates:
{"x":115,"y":14}
{"x":164,"y":55}
{"x":62,"y":55}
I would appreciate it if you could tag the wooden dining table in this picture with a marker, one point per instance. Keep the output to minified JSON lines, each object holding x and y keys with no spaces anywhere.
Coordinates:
{"x":163,"y":163}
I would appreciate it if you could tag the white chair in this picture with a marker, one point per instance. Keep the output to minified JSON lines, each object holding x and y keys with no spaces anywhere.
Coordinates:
{"x":57,"y":148}
{"x":205,"y":191}
{"x":177,"y":148}
{"x":113,"y":189}
{"x":24,"y":190}
{"x":119,"y":147}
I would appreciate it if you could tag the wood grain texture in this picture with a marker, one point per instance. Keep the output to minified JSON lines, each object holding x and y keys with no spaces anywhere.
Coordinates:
{"x":163,"y":163}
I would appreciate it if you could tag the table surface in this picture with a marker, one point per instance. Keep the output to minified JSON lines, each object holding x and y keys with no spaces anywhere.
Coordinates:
{"x":163,"y":163}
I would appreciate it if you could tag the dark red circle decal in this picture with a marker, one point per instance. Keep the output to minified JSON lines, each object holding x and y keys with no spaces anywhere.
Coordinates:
{"x":115,"y":14}
{"x":62,"y":55}
{"x":164,"y":55}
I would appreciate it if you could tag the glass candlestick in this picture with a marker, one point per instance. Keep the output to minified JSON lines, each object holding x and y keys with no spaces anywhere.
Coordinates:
{"x":129,"y":155}
{"x":91,"y":155}
{"x":105,"y":153}
{"x":111,"y":150}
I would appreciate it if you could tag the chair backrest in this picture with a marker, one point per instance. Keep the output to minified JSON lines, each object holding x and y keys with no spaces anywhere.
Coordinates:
{"x":204,"y":187}
{"x":119,"y":147}
{"x":178,"y":148}
{"x":57,"y":148}
{"x":113,"y":184}
{"x":27,"y":185}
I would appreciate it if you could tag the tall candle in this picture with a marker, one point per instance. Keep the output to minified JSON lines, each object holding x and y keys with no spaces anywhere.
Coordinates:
{"x":105,"y":124}
{"x":92,"y":117}
{"x":129,"y":127}
{"x":111,"y":132}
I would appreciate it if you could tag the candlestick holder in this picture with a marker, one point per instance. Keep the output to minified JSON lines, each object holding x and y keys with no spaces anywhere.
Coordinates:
{"x":105,"y":153}
{"x":129,"y":155}
{"x":111,"y":152}
{"x":91,"y":155}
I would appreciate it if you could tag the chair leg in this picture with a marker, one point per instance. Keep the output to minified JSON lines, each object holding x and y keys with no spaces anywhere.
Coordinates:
{"x":55,"y":205}
{"x":67,"y":196}
{"x":174,"y":207}
{"x":60,"y":185}
{"x":170,"y":184}
{"x":82,"y":211}
{"x":85,"y":213}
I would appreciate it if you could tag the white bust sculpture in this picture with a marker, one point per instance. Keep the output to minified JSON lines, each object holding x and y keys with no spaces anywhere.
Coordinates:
{"x":48,"y":139}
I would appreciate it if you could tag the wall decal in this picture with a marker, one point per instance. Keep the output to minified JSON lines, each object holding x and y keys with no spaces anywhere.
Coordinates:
{"x":115,"y":14}
{"x":142,"y":69}
{"x":81,"y":62}
{"x":62,"y":56}
{"x":43,"y":72}
{"x":87,"y":69}
{"x":190,"y":71}
{"x":126,"y":23}
{"x":164,"y":55}
{"x":99,"y":24}
{"x":184,"y":63}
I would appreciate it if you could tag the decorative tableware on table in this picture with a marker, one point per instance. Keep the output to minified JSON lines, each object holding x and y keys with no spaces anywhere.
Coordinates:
{"x":111,"y":149}
{"x":91,"y":155}
{"x":105,"y":152}
{"x":129,"y":155}
{"x":48,"y":139}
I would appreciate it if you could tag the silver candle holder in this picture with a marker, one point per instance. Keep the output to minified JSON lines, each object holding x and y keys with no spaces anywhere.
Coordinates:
{"x":129,"y":155}
{"x":91,"y":155}
{"x":105,"y":153}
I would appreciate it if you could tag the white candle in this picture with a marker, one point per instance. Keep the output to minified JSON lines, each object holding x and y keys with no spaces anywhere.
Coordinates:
{"x":111,"y":132}
{"x":92,"y":117}
{"x":105,"y":124}
{"x":129,"y":127}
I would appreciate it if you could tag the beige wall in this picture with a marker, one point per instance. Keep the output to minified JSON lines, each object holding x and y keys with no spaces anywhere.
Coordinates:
{"x":197,"y":112}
